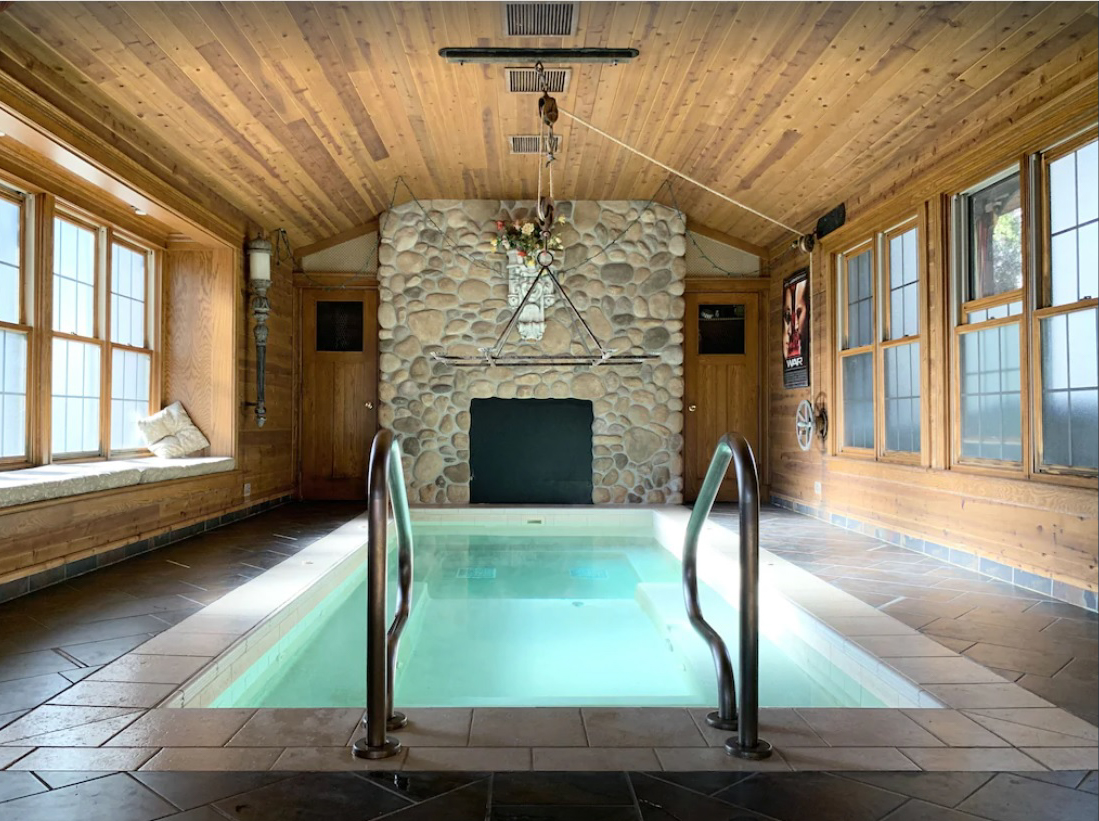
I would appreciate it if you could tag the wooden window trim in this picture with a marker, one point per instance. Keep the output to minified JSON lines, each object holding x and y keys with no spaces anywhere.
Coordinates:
{"x":844,"y":258}
{"x":21,"y":325}
{"x":989,"y":466}
{"x":921,"y":457}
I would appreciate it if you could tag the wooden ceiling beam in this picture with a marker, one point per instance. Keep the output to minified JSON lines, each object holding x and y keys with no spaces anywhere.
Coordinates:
{"x":727,"y":239}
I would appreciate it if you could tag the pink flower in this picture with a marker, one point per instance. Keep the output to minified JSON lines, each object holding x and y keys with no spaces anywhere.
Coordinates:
{"x":499,"y":225}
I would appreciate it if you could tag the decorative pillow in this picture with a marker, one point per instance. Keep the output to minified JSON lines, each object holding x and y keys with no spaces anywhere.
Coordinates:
{"x":170,"y":433}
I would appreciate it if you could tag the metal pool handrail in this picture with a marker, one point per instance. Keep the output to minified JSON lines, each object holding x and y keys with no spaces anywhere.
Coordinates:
{"x":384,"y":487}
{"x":747,"y":744}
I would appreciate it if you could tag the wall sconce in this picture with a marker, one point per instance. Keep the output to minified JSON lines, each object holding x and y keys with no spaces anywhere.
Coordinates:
{"x":259,"y":280}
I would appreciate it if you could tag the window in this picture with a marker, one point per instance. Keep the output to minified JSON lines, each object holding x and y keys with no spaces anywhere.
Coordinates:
{"x":96,"y":342}
{"x":857,"y":348}
{"x":988,"y":223}
{"x":77,"y":355}
{"x":14,"y":333}
{"x":880,"y":345}
{"x":1027,"y":331}
{"x":1068,"y":337}
{"x":901,"y":347}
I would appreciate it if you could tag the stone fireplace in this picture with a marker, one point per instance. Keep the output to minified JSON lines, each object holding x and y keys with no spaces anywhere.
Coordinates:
{"x":442,"y":289}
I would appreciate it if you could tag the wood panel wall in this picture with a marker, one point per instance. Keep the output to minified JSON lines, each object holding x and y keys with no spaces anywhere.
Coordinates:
{"x":1042,"y":527}
{"x":210,"y":365}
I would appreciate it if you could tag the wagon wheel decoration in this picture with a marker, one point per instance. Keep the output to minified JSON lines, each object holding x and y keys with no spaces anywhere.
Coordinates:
{"x":809,"y":420}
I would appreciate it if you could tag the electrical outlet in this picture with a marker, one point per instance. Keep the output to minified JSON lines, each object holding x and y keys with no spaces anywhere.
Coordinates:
{"x":816,"y":488}
{"x":248,"y":488}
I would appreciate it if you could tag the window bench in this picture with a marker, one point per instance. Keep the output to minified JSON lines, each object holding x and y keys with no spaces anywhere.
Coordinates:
{"x":20,"y":487}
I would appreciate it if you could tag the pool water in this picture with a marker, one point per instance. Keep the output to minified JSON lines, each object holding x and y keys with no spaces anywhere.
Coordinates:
{"x":518,"y":620}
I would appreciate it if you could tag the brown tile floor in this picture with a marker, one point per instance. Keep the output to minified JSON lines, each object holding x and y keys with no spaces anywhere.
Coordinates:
{"x":1047,"y":647}
{"x":579,"y":796}
{"x":57,"y":636}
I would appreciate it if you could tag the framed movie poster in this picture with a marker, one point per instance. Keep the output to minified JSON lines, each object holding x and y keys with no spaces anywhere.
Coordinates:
{"x":795,"y":330}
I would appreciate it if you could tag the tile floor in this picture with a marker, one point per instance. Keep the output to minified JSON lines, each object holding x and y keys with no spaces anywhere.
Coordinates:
{"x":61,"y":636}
{"x":536,"y":796}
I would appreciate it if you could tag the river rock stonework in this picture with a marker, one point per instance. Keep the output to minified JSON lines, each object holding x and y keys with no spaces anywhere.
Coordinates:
{"x":442,"y":289}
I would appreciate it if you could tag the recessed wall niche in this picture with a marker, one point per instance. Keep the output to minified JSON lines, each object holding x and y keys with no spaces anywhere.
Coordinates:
{"x":449,"y":295}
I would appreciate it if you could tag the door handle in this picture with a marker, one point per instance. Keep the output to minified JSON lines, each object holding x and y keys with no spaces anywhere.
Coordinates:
{"x":370,"y":406}
{"x":692,"y":408}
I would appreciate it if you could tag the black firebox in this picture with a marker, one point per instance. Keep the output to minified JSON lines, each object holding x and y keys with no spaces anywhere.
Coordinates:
{"x":530,"y":451}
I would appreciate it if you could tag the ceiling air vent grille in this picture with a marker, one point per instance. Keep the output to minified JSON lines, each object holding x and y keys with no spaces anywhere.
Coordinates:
{"x":540,"y":19}
{"x":530,"y":144}
{"x":525,"y":80}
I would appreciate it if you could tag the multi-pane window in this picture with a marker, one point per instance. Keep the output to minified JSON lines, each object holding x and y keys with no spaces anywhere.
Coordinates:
{"x":79,"y":312}
{"x":857,"y":348}
{"x":86,"y":361}
{"x":130,"y":357}
{"x":880,"y":345}
{"x":77,"y":355}
{"x":901,"y":346}
{"x":988,"y":222}
{"x":1068,"y":336}
{"x":14,"y":333}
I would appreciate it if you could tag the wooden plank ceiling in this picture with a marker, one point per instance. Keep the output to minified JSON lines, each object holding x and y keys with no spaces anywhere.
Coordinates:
{"x":303,"y":115}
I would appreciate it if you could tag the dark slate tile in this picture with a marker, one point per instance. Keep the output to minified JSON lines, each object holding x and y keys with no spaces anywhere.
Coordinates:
{"x":16,"y":784}
{"x":56,"y":779}
{"x":571,"y":812}
{"x":114,"y":798}
{"x":191,"y":789}
{"x":34,"y":663}
{"x":1015,"y":798}
{"x":469,"y":803}
{"x":200,"y":814}
{"x":315,"y":797}
{"x":946,"y":789}
{"x":94,"y":653}
{"x":80,"y":567}
{"x":661,"y":801}
{"x":1062,"y":778}
{"x":22,"y":693}
{"x":916,"y":810}
{"x":417,"y":786}
{"x":530,"y":788}
{"x":824,"y":797}
{"x":1090,"y":784}
{"x":706,"y":783}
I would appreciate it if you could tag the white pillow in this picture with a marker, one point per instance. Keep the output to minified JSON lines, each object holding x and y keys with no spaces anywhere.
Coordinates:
{"x":170,"y":433}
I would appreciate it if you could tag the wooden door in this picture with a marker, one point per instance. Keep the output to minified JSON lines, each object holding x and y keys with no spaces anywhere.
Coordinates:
{"x":722,"y":381}
{"x":339,"y":391}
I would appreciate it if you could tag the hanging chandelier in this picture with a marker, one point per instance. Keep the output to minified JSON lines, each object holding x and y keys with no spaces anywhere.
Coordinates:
{"x":595,"y":353}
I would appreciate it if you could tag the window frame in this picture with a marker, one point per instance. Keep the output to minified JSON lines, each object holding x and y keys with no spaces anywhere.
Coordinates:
{"x":883,"y":342}
{"x":1039,"y":167}
{"x":878,"y":244}
{"x":962,"y":307}
{"x":843,"y":259}
{"x":114,"y":237}
{"x":25,"y":202}
{"x":106,"y":237}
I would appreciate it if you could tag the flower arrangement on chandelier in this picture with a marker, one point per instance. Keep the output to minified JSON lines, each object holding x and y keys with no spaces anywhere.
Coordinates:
{"x":524,"y":238}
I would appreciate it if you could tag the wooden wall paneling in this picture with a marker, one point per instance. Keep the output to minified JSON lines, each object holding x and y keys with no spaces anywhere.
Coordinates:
{"x":1043,"y":526}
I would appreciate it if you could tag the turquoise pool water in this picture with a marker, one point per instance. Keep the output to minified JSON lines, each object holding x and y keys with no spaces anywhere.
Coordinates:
{"x":515,"y":620}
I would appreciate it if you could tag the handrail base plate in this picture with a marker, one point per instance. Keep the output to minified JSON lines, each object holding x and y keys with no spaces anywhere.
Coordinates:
{"x":362,"y":749}
{"x":715,"y":720}
{"x":760,"y":751}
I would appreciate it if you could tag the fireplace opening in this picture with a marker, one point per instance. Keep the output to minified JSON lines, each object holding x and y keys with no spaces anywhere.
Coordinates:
{"x":530,"y":451}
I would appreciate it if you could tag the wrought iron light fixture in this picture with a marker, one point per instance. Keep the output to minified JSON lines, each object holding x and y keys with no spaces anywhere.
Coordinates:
{"x":259,"y":280}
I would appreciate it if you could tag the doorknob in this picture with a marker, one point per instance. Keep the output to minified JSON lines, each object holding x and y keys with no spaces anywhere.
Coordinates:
{"x":692,"y":408}
{"x":370,"y":406}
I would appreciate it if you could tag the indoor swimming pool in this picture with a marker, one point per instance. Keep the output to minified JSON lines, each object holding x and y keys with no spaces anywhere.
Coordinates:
{"x":509,"y":614}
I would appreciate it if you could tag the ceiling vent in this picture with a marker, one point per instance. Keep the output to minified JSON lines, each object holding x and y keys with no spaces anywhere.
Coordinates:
{"x":530,"y":144}
{"x":525,"y":80}
{"x":540,"y":19}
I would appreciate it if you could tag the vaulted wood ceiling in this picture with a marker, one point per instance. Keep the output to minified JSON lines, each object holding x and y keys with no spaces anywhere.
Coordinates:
{"x":304,"y":115}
